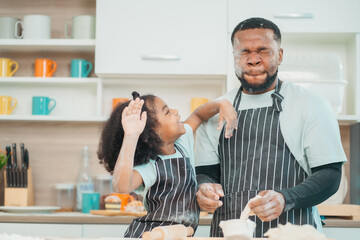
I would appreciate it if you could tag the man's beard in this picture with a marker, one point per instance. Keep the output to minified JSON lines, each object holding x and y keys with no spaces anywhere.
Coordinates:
{"x":259,"y":88}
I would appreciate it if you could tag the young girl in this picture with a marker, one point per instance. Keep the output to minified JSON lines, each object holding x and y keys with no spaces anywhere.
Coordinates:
{"x":147,"y":149}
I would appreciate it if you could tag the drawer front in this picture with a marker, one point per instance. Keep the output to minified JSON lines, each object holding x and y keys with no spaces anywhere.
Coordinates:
{"x":300,"y":16}
{"x":161,"y":37}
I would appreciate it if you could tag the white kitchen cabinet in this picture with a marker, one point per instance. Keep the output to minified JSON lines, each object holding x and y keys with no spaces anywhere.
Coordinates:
{"x":320,"y":16}
{"x":118,"y":230}
{"x":330,"y":232}
{"x":42,"y":229}
{"x":140,"y":37}
{"x":342,"y":233}
{"x":104,"y":230}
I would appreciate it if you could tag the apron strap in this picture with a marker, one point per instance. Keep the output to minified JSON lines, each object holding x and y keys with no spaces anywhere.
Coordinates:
{"x":277,"y":97}
{"x":179,"y":149}
{"x":237,"y":98}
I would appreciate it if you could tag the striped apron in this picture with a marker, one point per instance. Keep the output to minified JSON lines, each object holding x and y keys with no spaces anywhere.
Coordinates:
{"x":171,"y":199}
{"x":257,"y":158}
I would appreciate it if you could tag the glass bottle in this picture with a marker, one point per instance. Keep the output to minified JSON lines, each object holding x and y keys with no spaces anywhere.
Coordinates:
{"x":84,"y":181}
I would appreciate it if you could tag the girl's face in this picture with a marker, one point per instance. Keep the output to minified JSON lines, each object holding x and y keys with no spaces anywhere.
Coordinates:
{"x":170,"y":128}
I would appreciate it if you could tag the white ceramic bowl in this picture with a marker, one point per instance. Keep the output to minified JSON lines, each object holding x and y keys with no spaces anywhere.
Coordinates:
{"x":333,"y":90}
{"x":238,"y":229}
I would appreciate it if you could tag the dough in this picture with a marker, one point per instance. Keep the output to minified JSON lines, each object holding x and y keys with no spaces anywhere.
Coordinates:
{"x":294,"y":232}
{"x":247,"y":211}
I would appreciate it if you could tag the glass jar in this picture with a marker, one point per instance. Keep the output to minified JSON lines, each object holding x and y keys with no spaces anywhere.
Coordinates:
{"x":103,"y":185}
{"x":65,"y":197}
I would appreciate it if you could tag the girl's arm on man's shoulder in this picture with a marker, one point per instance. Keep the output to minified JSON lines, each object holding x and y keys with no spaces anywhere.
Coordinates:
{"x":206,"y":111}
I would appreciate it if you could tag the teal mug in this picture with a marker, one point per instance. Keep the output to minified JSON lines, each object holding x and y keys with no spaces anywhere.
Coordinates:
{"x":90,"y":201}
{"x":40,"y":105}
{"x":80,"y":68}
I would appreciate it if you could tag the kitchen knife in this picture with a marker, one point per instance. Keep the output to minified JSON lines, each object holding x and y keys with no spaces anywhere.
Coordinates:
{"x":26,"y":158}
{"x":26,"y":163}
{"x":15,"y":166}
{"x":22,"y":168}
{"x":8,"y":167}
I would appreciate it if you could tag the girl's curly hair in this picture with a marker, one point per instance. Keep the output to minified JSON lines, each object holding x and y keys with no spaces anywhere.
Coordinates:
{"x":149,"y":143}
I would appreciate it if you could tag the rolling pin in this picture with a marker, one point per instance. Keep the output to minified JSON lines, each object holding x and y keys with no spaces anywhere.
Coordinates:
{"x":173,"y":232}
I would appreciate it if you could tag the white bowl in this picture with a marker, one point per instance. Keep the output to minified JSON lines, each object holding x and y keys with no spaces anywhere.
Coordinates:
{"x":238,"y":229}
{"x":333,"y":90}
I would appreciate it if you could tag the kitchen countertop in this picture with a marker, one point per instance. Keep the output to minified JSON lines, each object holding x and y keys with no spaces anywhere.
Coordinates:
{"x":81,"y":218}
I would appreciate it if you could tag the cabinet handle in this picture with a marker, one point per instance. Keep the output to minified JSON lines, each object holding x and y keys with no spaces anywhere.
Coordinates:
{"x":160,"y":57}
{"x":294,"y":15}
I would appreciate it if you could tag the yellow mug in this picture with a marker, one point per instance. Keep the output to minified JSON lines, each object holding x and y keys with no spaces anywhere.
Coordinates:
{"x":6,"y":65}
{"x":196,"y":102}
{"x":5,"y":105}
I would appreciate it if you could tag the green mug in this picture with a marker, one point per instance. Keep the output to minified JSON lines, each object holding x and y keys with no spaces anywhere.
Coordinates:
{"x":40,"y":105}
{"x":90,"y":201}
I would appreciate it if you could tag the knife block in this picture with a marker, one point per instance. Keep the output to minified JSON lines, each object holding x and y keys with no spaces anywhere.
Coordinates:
{"x":20,"y":197}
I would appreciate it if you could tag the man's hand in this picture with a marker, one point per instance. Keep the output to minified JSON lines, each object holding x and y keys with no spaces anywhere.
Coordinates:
{"x":208,"y":196}
{"x":269,"y":206}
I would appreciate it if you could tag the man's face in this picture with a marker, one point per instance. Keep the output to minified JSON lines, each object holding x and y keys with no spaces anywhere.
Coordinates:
{"x":256,"y":57}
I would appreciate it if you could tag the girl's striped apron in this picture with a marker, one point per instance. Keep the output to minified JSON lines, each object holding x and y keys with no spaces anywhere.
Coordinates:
{"x":257,"y":158}
{"x":171,"y":200}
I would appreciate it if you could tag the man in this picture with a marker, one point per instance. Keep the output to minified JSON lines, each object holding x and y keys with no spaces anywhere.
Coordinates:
{"x":286,"y":148}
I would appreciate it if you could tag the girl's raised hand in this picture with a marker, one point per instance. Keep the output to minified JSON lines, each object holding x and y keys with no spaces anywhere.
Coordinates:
{"x":133,"y":120}
{"x":227,"y":113}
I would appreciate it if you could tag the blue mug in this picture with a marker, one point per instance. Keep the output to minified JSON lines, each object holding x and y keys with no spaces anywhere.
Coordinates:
{"x":40,"y":105}
{"x":90,"y":201}
{"x":80,"y":68}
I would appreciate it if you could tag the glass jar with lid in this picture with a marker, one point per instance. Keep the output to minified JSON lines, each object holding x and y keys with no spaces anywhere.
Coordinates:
{"x":65,"y":196}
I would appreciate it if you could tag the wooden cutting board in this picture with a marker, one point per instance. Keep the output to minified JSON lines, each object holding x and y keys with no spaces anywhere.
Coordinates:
{"x":117,"y":213}
{"x":348,"y":211}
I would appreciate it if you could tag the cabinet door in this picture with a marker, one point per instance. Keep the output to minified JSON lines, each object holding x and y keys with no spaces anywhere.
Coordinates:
{"x":300,"y":16}
{"x":160,"y":37}
{"x":42,"y":229}
{"x":118,"y":230}
{"x":342,"y":233}
{"x":104,"y":230}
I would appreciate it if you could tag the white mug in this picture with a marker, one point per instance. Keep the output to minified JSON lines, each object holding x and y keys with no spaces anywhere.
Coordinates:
{"x":8,"y":27}
{"x":83,"y":27}
{"x":35,"y":27}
